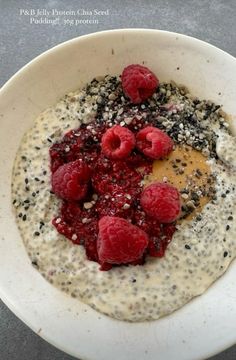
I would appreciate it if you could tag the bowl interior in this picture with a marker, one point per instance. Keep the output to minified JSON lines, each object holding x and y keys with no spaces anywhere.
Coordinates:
{"x":208,"y":73}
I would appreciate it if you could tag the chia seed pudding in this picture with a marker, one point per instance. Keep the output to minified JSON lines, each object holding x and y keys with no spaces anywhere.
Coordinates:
{"x":202,"y":247}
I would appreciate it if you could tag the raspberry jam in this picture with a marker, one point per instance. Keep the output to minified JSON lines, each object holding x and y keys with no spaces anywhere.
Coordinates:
{"x":114,"y":190}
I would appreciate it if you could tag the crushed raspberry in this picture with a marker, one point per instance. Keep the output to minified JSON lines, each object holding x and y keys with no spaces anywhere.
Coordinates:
{"x":77,"y":144}
{"x":158,"y":242}
{"x":138,"y":83}
{"x":120,"y":242}
{"x":122,"y":206}
{"x":112,"y":188}
{"x":161,"y":201}
{"x":159,"y":234}
{"x":153,"y":142}
{"x":117,"y":142}
{"x":80,"y":226}
{"x":118,"y":176}
{"x":70,"y":181}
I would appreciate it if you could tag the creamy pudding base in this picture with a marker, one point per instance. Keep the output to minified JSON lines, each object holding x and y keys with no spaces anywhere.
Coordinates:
{"x":200,"y":251}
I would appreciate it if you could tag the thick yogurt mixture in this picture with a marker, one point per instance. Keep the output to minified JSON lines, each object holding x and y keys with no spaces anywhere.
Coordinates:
{"x":201,"y":249}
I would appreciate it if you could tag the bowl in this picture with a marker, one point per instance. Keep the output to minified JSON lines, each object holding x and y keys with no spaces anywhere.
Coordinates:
{"x":201,"y":328}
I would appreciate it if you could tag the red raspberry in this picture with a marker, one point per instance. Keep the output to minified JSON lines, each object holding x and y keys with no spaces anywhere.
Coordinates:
{"x":138,"y":83}
{"x":161,"y":201}
{"x":118,"y":142}
{"x":70,"y":180}
{"x":120,"y":242}
{"x":153,"y":142}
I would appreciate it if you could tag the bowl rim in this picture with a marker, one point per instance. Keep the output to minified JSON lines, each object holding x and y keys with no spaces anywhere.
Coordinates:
{"x":95,"y":34}
{"x":7,"y":85}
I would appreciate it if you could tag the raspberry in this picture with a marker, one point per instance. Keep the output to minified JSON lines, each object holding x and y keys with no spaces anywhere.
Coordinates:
{"x":153,"y":142}
{"x":138,"y":83}
{"x":70,"y":180}
{"x":161,"y":201}
{"x":118,"y":142}
{"x":120,"y":242}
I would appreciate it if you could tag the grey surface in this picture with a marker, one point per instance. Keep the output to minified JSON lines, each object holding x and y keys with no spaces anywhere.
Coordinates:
{"x":212,"y":21}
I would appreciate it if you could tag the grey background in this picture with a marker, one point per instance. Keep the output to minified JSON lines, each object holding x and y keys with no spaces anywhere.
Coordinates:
{"x":212,"y":21}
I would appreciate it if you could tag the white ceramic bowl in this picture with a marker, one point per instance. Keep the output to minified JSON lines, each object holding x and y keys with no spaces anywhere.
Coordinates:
{"x":204,"y":326}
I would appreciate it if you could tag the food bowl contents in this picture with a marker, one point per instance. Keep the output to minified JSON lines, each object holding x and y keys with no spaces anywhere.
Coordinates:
{"x":124,"y":193}
{"x":105,"y":177}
